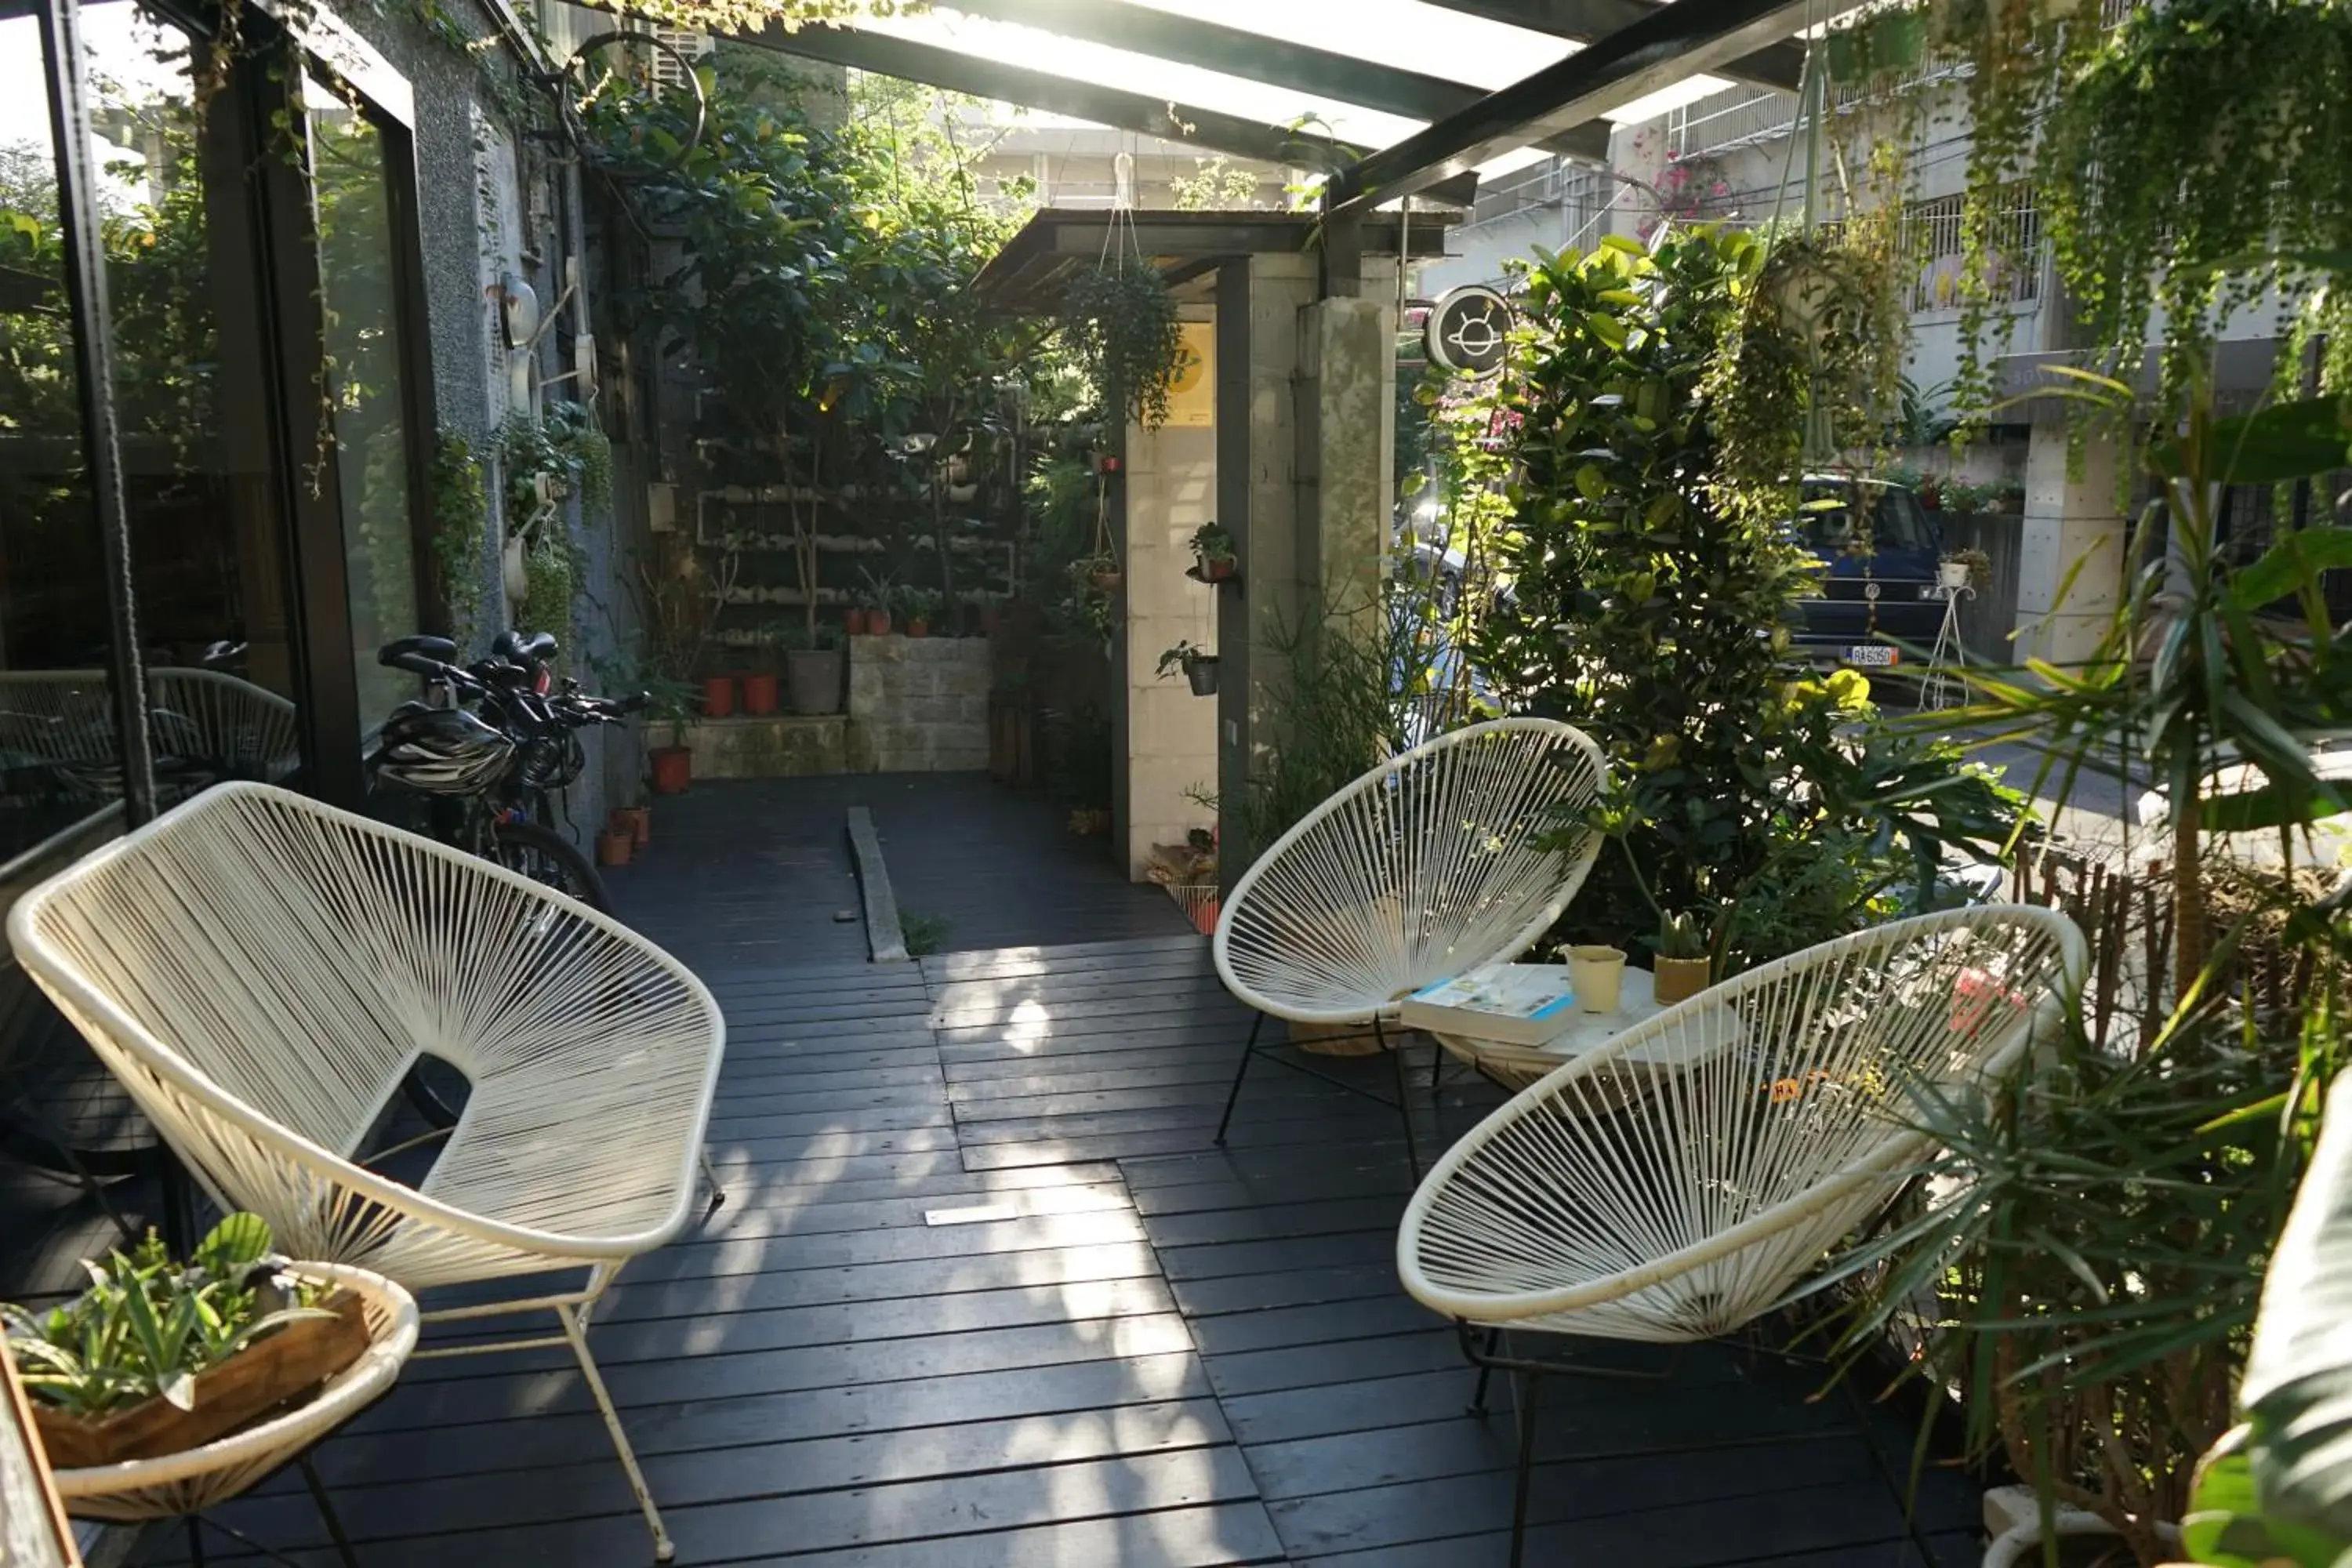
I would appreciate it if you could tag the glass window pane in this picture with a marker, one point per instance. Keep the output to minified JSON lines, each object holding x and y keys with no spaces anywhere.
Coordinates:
{"x":207,"y":550}
{"x":356,"y":251}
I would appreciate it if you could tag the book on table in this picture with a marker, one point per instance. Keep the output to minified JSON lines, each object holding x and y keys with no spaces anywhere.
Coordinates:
{"x":1517,"y":1004}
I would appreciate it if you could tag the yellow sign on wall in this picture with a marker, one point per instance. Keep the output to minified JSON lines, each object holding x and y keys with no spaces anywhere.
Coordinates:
{"x":1192,"y":390}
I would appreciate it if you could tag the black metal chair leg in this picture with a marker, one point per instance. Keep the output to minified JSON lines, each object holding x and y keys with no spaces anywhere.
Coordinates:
{"x":1404,"y":1094}
{"x":1525,"y":1395}
{"x":1240,"y":1073}
{"x":195,"y":1541}
{"x":327,"y":1512}
{"x":1485,"y":1371}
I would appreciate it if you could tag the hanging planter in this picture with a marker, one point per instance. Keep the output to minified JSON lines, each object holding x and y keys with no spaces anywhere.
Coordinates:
{"x":1200,"y":668}
{"x":1121,"y":320}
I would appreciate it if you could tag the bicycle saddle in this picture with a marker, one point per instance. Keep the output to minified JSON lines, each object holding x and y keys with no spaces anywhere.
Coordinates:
{"x":392,"y":653}
{"x":516,"y":649}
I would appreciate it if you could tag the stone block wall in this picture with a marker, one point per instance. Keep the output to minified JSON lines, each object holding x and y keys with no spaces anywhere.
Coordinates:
{"x":917,"y":704}
{"x":784,"y":746}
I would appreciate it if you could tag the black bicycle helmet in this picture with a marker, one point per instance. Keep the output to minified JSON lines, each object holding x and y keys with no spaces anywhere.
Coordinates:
{"x":440,"y":751}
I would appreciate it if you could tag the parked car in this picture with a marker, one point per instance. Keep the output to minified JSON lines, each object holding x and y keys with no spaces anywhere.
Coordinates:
{"x":1878,"y":548}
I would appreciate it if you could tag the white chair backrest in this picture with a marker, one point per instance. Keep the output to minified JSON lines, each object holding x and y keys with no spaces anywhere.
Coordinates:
{"x":1786,"y":1097}
{"x":299,"y":958}
{"x":1427,"y":865}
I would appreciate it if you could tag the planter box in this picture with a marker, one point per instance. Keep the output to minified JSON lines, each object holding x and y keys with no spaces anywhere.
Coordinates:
{"x":284,"y":1366}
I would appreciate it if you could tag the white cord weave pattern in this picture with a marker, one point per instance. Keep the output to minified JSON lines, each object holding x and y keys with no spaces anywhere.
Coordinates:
{"x":1424,"y":866}
{"x":202,"y":718}
{"x":1686,"y":1211}
{"x":213,"y":1472}
{"x":261,"y":971}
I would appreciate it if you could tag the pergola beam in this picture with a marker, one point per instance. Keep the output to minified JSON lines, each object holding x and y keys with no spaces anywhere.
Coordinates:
{"x":1208,"y":129}
{"x":1258,"y":57}
{"x":1779,"y":64}
{"x":1670,"y":43}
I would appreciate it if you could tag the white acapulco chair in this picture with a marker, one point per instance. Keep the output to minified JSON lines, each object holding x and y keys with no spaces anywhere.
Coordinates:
{"x":212,"y":1473}
{"x":1428,"y":865}
{"x":261,"y":971}
{"x":1689,"y":1207}
{"x":205,"y":722}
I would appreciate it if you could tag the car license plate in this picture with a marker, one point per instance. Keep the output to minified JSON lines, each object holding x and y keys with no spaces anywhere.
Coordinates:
{"x":1873,"y":655}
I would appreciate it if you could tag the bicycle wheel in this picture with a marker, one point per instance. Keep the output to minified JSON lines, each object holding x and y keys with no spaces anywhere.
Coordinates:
{"x":545,"y":856}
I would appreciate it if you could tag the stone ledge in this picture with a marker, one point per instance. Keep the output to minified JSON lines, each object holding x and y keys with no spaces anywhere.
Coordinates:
{"x":788,"y":746}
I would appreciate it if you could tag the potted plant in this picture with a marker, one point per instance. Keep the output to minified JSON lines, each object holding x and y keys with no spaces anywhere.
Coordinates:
{"x":812,"y":666}
{"x":1100,"y":571}
{"x":853,"y":621}
{"x":1120,"y":322}
{"x":1683,"y":968}
{"x":1212,"y":555}
{"x":760,"y":685}
{"x":158,"y":1357}
{"x":639,"y":819}
{"x":921,"y":605}
{"x":1199,"y":665}
{"x":616,"y":841}
{"x":879,"y":595}
{"x":1959,"y":568}
{"x":671,"y":701}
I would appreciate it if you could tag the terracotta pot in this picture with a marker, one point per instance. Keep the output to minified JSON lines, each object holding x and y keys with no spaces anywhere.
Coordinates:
{"x":1108,"y":582}
{"x":762,"y":693}
{"x":285,"y":1365}
{"x":719,"y":696}
{"x":1216,"y":571}
{"x":1678,"y":979}
{"x":877,"y":623}
{"x":853,"y":621}
{"x":672,"y":769}
{"x":640,"y":820}
{"x":919,"y":628}
{"x":614,"y":844}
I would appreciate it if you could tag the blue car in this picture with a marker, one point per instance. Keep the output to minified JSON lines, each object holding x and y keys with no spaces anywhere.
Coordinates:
{"x":1878,"y":549}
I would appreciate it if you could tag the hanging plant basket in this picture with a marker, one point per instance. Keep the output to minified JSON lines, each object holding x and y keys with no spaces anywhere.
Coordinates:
{"x":1109,"y":579}
{"x":1121,"y":320}
{"x":1201,"y":673}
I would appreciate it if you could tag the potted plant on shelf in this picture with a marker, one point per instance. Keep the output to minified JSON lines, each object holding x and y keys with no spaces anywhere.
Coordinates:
{"x":1212,"y":555}
{"x":813,"y":666}
{"x":1200,"y":667}
{"x":158,"y":1357}
{"x":1682,"y":964}
{"x":921,"y":605}
{"x":1960,"y":568}
{"x":761,"y":684}
{"x":879,"y":595}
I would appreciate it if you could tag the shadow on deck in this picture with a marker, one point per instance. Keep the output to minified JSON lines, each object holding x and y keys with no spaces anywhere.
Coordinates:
{"x":984,"y":1295}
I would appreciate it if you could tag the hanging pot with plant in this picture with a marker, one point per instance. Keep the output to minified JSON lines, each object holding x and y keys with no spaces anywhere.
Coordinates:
{"x":1200,"y":668}
{"x":1120,"y":321}
{"x":1212,"y":555}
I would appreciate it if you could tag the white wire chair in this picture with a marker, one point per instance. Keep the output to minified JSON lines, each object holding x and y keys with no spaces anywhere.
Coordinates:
{"x":1791,"y":1118}
{"x":212,"y":1473}
{"x":1428,"y":865}
{"x":262,"y":970}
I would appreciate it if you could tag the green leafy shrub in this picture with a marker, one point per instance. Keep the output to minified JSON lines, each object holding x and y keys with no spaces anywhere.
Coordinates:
{"x":1658,"y":406}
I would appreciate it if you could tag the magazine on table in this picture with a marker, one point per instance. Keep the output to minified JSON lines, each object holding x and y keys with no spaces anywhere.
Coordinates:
{"x":1517,"y":1004}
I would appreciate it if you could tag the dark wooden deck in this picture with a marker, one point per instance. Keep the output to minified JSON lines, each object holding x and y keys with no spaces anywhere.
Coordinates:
{"x":984,"y":1295}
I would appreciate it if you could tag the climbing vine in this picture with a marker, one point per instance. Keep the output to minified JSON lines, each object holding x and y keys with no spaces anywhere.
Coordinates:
{"x":461,"y":528}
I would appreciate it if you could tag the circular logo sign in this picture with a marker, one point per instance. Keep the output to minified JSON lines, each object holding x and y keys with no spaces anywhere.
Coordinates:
{"x":1465,"y":329}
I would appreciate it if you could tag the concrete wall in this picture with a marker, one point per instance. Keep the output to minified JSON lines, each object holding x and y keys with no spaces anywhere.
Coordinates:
{"x":1171,"y":735}
{"x":917,"y":704}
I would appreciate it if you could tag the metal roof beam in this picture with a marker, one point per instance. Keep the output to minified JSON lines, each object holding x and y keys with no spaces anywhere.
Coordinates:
{"x":1207,"y":128}
{"x":1670,"y":45}
{"x":1257,"y":56}
{"x":1779,"y":64}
